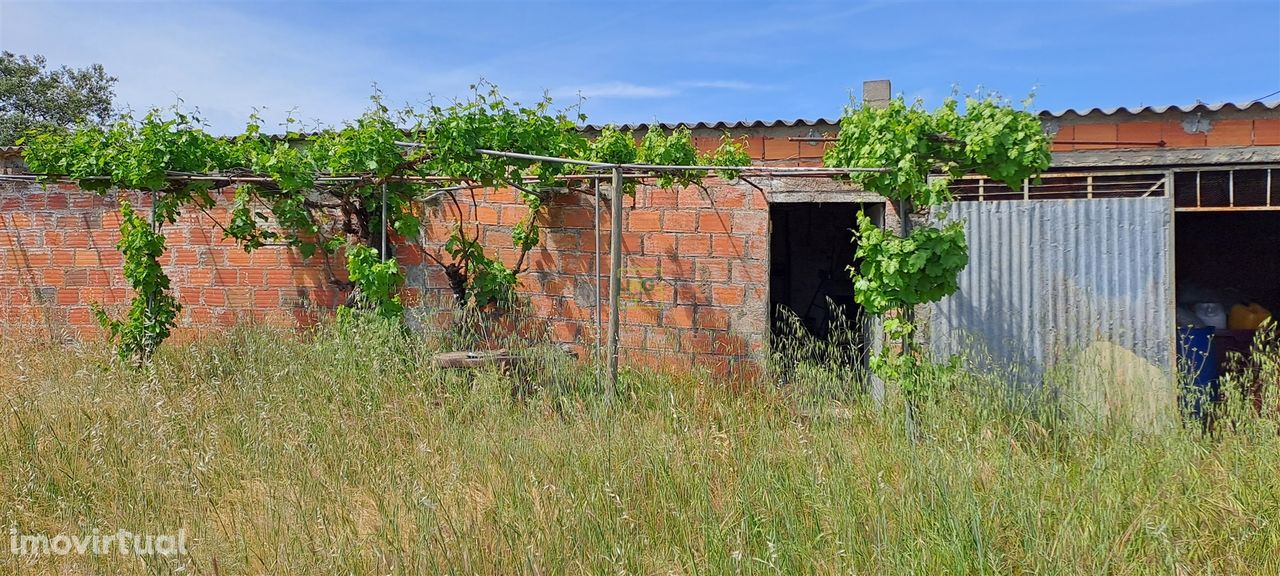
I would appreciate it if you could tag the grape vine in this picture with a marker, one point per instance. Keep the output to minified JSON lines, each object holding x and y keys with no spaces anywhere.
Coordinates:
{"x":928,"y":151}
{"x":322,"y":192}
{"x":153,"y":311}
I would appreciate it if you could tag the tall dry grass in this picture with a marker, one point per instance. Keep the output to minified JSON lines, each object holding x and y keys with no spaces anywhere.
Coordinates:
{"x":346,"y":451}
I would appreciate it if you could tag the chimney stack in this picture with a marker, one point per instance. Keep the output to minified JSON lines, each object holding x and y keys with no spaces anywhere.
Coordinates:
{"x":876,"y":93}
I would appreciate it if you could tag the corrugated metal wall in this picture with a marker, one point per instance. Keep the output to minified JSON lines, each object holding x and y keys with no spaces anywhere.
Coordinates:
{"x":1047,"y":278}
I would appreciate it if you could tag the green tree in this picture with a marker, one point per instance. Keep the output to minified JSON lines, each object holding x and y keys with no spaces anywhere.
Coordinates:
{"x":33,"y":97}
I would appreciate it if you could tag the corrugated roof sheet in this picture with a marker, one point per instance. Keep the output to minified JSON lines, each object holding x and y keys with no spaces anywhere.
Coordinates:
{"x":727,"y":125}
{"x":1198,"y":107}
{"x":830,"y":122}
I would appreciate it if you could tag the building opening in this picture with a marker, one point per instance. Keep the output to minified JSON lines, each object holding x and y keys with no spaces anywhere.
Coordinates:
{"x":1226,"y":230}
{"x":1228,"y":258}
{"x":810,"y":290}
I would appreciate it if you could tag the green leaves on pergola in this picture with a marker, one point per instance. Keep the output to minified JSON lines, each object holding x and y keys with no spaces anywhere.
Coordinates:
{"x":324,"y":190}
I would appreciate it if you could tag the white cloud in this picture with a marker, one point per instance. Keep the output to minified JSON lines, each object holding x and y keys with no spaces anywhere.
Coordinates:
{"x":230,"y":58}
{"x":737,"y":85}
{"x":627,"y":90}
{"x":219,"y":59}
{"x":616,"y":90}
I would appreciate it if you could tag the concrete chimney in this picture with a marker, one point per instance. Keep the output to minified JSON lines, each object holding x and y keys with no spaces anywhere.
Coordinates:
{"x":876,"y":93}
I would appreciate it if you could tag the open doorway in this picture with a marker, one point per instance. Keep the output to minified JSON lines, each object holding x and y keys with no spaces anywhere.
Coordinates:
{"x":1227,"y":283}
{"x":1230,"y":257}
{"x":811,"y":247}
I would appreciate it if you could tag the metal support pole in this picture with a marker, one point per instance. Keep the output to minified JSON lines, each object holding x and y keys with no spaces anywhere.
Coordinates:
{"x":1231,"y":188}
{"x":384,"y":222}
{"x":909,"y":313}
{"x":615,"y":281}
{"x":599,"y":355}
{"x":1269,"y":186}
{"x":155,"y":222}
{"x":155,"y":229}
{"x":904,"y":218}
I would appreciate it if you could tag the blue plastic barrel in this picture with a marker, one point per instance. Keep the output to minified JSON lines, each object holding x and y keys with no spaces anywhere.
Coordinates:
{"x":1198,"y":360}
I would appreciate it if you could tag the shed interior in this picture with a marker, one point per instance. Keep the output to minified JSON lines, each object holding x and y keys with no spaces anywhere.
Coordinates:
{"x":811,"y":247}
{"x":1226,"y":229}
{"x":1228,"y":256}
{"x":1227,"y":272}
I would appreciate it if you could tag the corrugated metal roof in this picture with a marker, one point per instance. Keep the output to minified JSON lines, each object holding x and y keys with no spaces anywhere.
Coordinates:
{"x":835,"y":122}
{"x":830,"y":122}
{"x":726,"y":125}
{"x":1198,"y":107}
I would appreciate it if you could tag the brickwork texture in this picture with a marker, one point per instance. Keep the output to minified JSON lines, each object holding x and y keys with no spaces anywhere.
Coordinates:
{"x":695,"y":264}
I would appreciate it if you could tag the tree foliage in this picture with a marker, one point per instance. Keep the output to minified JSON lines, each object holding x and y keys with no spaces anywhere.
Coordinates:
{"x":929,"y":149}
{"x":32,"y":96}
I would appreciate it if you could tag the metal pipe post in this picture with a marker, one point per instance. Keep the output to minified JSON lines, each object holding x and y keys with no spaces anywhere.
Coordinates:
{"x":615,"y":281}
{"x":599,"y":312}
{"x":384,"y":222}
{"x":904,"y":225}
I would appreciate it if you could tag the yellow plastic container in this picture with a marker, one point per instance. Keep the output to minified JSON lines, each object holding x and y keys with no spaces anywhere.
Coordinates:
{"x":1247,"y":317}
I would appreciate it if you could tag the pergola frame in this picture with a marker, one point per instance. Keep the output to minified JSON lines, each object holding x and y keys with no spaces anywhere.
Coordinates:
{"x":617,"y":174}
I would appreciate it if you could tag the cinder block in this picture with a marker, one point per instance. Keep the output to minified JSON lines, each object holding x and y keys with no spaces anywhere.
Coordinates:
{"x":658,"y":244}
{"x":727,"y":295}
{"x":1147,"y":132}
{"x":693,"y":245}
{"x":713,"y":222}
{"x":679,"y":221}
{"x":643,"y":220}
{"x":729,"y":197}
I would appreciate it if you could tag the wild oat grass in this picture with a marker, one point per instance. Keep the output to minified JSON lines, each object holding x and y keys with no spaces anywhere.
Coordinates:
{"x":347,"y":452}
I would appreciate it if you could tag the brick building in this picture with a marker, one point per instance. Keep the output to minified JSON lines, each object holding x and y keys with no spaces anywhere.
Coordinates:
{"x":703,"y":268}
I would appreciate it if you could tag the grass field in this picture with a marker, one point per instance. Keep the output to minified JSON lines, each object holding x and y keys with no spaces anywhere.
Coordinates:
{"x":350,"y":453}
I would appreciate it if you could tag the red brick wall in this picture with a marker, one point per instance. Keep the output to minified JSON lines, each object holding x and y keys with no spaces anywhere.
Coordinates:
{"x":1102,"y":134}
{"x":695,"y":262}
{"x":695,"y":268}
{"x":57,"y":246}
{"x":58,"y":256}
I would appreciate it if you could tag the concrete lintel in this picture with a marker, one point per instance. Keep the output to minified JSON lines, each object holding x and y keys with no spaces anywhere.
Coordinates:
{"x":793,"y":190}
{"x":823,"y":197}
{"x":1133,"y":158}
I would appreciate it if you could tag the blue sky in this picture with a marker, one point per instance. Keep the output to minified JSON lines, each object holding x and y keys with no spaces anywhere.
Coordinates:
{"x":639,"y":61}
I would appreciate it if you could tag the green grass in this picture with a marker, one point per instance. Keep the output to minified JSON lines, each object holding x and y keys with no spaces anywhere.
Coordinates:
{"x":350,"y":453}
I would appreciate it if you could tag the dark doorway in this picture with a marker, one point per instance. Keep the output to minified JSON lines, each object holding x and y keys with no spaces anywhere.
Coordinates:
{"x":811,"y":247}
{"x":1227,"y":273}
{"x":1229,"y":257}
